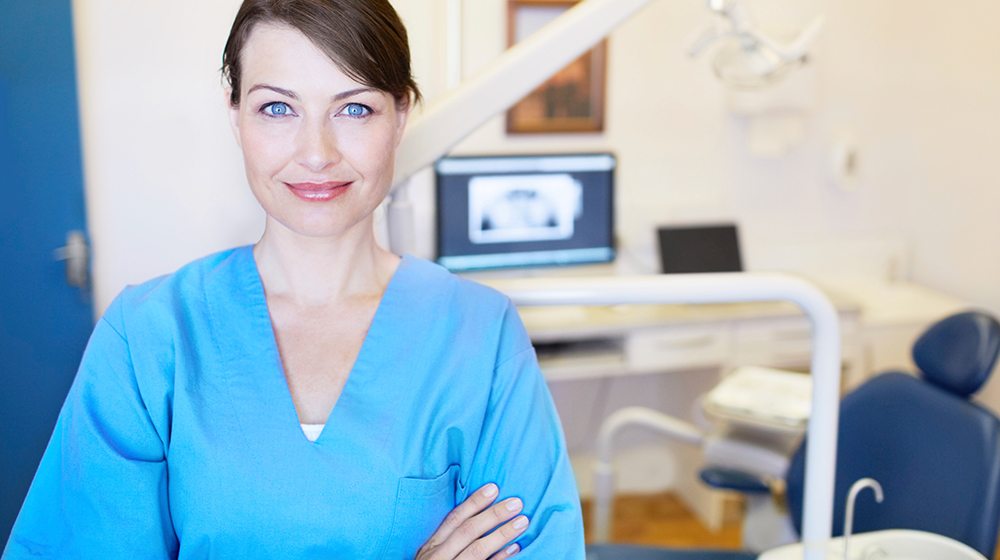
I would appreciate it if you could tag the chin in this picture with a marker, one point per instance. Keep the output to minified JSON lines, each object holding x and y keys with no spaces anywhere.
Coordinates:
{"x":324,"y":226}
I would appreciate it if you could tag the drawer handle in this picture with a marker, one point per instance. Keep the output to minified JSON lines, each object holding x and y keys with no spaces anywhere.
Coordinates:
{"x":687,"y":343}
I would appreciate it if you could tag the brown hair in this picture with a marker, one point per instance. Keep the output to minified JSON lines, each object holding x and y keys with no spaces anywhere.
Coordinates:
{"x":365,"y":38}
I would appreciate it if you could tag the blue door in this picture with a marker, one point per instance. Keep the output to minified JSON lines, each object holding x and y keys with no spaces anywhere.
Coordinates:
{"x":44,"y":322}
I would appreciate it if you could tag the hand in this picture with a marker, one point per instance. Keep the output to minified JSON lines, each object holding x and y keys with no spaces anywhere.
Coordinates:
{"x":460,"y":536}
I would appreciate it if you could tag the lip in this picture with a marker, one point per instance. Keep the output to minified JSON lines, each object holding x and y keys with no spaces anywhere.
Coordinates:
{"x":318,"y":192}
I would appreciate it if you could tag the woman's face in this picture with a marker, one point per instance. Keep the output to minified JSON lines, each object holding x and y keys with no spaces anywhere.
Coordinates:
{"x":318,"y":146}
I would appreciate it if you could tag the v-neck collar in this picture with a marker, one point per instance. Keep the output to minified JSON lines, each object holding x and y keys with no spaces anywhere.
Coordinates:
{"x":258,"y":387}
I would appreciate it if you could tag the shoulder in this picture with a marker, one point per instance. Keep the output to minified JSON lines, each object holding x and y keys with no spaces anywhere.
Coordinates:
{"x":438,"y":281}
{"x":469,"y":306}
{"x":172,"y":295}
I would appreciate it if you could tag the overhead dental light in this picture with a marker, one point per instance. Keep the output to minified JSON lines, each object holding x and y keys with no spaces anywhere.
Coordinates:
{"x":747,"y":58}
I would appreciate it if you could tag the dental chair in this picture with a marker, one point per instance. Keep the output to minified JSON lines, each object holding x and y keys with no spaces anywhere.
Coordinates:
{"x":936,"y":454}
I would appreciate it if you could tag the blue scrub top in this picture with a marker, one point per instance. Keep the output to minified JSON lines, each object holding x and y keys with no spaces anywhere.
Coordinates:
{"x":179,"y":437}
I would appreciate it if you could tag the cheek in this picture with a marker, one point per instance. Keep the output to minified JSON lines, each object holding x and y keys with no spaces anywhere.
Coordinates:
{"x":373,"y":151}
{"x":266,"y":150}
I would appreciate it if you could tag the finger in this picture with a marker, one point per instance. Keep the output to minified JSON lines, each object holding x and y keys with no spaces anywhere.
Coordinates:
{"x":495,"y":541}
{"x":469,"y":532}
{"x":477,"y":502}
{"x":507,"y":552}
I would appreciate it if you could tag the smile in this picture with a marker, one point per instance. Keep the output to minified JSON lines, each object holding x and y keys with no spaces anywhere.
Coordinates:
{"x":318,"y":192}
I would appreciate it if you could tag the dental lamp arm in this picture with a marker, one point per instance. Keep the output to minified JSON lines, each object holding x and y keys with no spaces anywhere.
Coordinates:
{"x":516,"y":73}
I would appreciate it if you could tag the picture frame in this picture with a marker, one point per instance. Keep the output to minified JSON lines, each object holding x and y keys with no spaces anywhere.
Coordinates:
{"x":570,"y":101}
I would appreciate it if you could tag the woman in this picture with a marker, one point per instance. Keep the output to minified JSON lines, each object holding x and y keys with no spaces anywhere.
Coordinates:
{"x":313,"y":395}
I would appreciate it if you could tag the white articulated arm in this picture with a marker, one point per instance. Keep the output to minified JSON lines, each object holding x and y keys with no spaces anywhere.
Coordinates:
{"x":513,"y":75}
{"x":604,"y":482}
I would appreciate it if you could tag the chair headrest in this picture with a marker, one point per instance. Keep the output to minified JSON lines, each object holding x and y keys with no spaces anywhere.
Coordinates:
{"x":958,"y":352}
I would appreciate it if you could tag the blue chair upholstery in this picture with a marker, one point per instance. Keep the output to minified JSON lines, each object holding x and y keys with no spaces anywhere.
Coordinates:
{"x":737,"y":481}
{"x":958,"y":353}
{"x":936,"y":454}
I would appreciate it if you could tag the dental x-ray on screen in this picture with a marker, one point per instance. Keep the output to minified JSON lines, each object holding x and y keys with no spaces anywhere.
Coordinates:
{"x":524,"y":210}
{"x":523,"y":207}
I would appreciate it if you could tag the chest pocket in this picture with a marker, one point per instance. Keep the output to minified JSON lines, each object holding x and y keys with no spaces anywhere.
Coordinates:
{"x":421,"y":506}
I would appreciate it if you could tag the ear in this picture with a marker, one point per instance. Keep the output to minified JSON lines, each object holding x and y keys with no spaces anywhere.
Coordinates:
{"x":234,"y":117}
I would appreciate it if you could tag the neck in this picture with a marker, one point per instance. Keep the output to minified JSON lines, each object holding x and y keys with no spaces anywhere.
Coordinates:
{"x":314,"y":271}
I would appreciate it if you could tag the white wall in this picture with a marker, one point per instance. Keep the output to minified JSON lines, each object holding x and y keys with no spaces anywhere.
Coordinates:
{"x":918,"y":80}
{"x":164,"y":178}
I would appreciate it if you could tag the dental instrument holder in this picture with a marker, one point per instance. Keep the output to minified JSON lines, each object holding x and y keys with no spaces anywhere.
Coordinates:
{"x":852,"y":496}
{"x":733,"y":288}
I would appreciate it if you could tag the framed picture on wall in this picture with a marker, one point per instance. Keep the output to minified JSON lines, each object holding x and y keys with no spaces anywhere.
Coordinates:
{"x":573,"y":99}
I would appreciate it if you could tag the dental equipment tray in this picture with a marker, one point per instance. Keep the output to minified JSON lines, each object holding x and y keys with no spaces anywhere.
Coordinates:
{"x":763,"y":397}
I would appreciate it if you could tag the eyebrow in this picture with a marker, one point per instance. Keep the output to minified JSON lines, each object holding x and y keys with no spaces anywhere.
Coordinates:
{"x":285,"y":92}
{"x":352,"y":93}
{"x":291,"y":94}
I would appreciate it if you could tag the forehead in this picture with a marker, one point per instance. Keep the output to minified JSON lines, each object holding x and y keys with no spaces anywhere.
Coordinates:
{"x":281,"y":52}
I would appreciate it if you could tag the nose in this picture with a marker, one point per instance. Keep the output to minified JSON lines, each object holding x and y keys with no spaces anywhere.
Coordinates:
{"x":317,"y":145}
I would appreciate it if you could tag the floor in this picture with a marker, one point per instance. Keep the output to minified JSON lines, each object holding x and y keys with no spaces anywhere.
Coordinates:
{"x":661,"y":519}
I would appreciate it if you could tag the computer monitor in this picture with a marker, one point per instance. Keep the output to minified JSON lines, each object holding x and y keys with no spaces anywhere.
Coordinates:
{"x":702,"y":248}
{"x":537,"y":210}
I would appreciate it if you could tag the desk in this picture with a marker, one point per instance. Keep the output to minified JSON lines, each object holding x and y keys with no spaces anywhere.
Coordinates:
{"x":588,"y":342}
{"x":879,"y":322}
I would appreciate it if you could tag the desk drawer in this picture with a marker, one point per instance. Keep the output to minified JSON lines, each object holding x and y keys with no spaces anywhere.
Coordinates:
{"x":679,"y":347}
{"x":791,"y":329}
{"x":776,"y":342}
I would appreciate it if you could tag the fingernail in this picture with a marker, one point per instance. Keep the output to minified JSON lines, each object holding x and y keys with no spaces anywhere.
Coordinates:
{"x":520,"y":523}
{"x":512,"y":549}
{"x":490,"y":490}
{"x":513,"y":504}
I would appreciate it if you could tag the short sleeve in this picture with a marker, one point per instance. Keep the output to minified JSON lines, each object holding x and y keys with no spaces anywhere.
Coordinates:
{"x":522,"y":450}
{"x":101,"y":488}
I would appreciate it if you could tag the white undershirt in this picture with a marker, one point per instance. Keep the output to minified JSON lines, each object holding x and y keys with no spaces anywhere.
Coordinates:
{"x":312,"y":431}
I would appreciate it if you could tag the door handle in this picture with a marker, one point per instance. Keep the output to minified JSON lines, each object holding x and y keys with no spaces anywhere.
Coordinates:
{"x":76,"y":253}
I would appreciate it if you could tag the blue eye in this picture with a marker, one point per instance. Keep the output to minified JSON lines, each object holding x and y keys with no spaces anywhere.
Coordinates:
{"x":356,"y":110}
{"x":276,"y":109}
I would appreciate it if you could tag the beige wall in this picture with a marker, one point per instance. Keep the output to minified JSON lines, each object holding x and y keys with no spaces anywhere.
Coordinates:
{"x":917,"y":80}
